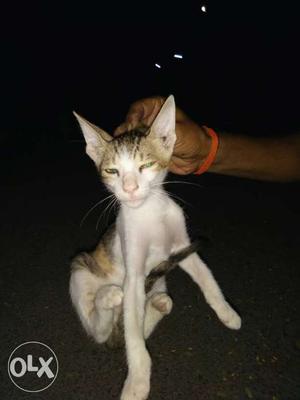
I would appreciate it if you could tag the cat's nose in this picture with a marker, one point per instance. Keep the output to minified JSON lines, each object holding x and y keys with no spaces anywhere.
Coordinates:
{"x":130,"y":187}
{"x":130,"y":184}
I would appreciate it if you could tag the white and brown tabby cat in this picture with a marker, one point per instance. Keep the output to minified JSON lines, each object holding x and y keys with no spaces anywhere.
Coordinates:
{"x":108,"y":284}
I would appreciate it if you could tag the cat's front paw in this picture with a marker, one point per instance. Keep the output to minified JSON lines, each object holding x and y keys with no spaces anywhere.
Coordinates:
{"x":108,"y":297}
{"x":230,"y":318}
{"x":135,"y":389}
{"x":162,"y":302}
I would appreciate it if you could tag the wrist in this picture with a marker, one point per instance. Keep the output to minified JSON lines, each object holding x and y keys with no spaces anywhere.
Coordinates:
{"x":204,"y":144}
{"x":208,"y":149}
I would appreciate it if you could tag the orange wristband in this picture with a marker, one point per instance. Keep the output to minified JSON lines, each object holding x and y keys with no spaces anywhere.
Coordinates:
{"x":212,"y":153}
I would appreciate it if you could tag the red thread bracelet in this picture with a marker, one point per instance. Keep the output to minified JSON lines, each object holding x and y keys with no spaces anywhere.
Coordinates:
{"x":212,"y":153}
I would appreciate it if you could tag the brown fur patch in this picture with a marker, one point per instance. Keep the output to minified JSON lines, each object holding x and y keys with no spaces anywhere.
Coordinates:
{"x":100,"y":261}
{"x":86,"y":261}
{"x":103,"y":252}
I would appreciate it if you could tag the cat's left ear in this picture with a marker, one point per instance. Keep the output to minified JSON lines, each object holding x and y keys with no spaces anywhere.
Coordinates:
{"x":163,"y":127}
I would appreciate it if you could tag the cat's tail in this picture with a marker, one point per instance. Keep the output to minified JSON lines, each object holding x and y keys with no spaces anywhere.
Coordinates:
{"x":168,"y":265}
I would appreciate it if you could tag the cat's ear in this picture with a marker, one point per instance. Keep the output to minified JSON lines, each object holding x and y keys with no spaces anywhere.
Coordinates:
{"x":163,"y":127}
{"x":96,"y":139}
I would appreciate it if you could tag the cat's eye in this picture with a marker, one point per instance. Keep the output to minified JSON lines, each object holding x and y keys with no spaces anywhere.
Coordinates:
{"x":147,"y":165}
{"x":111,"y":171}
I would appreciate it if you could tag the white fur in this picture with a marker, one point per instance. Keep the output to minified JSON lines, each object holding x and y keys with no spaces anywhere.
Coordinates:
{"x":150,"y":226}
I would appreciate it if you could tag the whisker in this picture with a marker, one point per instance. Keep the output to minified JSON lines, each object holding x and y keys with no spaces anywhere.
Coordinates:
{"x":105,"y":210}
{"x":92,"y":208}
{"x":103,"y":213}
{"x":110,"y":209}
{"x":179,"y":182}
{"x":172,"y":195}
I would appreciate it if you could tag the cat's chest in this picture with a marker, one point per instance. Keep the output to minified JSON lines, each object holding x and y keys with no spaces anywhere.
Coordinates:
{"x":159,"y":246}
{"x":156,"y":255}
{"x":148,"y":223}
{"x":156,"y":234}
{"x":151,"y":233}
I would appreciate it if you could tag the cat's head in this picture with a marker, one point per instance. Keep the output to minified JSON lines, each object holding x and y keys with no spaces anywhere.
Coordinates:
{"x":133,"y":164}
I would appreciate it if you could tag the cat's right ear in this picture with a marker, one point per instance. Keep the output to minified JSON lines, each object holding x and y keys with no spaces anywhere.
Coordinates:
{"x":96,"y":139}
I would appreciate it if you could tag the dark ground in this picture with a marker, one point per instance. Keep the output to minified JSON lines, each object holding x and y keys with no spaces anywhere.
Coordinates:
{"x":254,"y":228}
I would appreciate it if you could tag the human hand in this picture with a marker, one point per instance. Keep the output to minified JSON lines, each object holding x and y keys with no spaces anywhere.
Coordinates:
{"x":192,"y":141}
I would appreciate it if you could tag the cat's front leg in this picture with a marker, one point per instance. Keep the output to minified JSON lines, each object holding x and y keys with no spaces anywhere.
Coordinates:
{"x":137,"y":384}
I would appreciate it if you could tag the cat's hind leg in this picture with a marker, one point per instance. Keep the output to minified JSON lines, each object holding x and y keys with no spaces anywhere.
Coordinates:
{"x":200,"y":273}
{"x":96,"y":302}
{"x":204,"y":278}
{"x":158,"y":304}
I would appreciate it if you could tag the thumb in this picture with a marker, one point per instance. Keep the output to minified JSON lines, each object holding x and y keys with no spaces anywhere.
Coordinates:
{"x":175,"y":169}
{"x":124,"y":127}
{"x":132,"y":121}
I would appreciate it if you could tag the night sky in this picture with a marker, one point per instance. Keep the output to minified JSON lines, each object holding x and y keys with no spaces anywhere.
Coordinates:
{"x":240,"y":66}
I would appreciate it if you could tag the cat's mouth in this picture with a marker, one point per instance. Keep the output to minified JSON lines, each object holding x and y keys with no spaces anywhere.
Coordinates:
{"x":134,"y":201}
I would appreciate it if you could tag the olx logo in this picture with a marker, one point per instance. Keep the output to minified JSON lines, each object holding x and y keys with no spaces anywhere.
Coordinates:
{"x":33,"y":366}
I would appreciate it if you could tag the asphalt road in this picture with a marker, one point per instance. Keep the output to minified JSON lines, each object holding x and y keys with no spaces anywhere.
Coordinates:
{"x":254,"y":254}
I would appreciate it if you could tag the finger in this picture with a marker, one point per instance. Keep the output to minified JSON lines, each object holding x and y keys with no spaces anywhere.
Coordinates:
{"x":176,"y":169}
{"x":121,"y":129}
{"x":127,"y":126}
{"x":144,"y":110}
{"x":133,"y":120}
{"x":136,"y":112}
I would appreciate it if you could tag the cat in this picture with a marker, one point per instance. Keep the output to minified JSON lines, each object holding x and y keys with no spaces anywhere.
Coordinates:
{"x":87,"y":261}
{"x":107,"y":286}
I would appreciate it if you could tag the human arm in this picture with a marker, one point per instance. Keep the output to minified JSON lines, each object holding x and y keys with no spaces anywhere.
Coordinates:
{"x":263,"y":158}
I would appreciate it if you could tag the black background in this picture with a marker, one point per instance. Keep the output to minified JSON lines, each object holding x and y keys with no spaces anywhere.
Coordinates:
{"x":239,"y":69}
{"x":240,"y":72}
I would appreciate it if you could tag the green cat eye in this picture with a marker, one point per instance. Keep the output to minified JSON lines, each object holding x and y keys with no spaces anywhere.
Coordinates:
{"x":111,"y":170}
{"x":147,"y":165}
